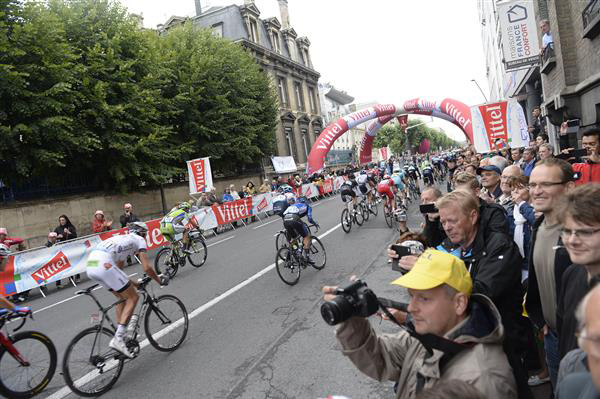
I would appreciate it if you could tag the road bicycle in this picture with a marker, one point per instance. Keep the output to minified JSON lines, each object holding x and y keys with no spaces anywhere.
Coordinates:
{"x":90,"y":367}
{"x":282,"y":240}
{"x":414,"y":190}
{"x":27,"y":359}
{"x":351,"y":215}
{"x":290,"y":259}
{"x":372,"y":203}
{"x":169,"y":259}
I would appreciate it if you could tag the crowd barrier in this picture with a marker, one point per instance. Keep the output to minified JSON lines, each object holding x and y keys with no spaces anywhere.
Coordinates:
{"x":37,"y":267}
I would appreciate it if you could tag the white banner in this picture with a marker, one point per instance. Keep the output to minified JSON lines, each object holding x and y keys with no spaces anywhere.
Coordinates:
{"x":284,"y":164}
{"x":518,"y":28}
{"x":498,"y":125}
{"x":199,"y":175}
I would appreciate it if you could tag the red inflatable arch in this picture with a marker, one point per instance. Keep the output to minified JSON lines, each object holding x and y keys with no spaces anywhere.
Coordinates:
{"x":448,"y":109}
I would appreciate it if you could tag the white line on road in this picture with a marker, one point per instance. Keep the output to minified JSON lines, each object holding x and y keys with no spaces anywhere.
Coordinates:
{"x":218,"y":242}
{"x":264,"y":224}
{"x":64,"y":391}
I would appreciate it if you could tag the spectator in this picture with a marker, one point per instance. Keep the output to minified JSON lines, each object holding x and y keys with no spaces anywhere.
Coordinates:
{"x":589,"y":171}
{"x":65,"y":229}
{"x":451,"y":389}
{"x":490,"y":180}
{"x":211,"y":197}
{"x":233,"y":192}
{"x":545,"y":151}
{"x":586,"y":385}
{"x":99,"y":223}
{"x":492,"y":258}
{"x":128,"y":216}
{"x":265,"y":187}
{"x":451,"y":313}
{"x":538,"y":124}
{"x":250,"y":189}
{"x":529,"y":160}
{"x":227,"y":196}
{"x":11,"y":241}
{"x":52,"y":239}
{"x":521,"y":218}
{"x":547,"y":41}
{"x":542,"y":138}
{"x":433,"y":230}
{"x":506,"y":198}
{"x":579,"y":214}
{"x":470,"y":168}
{"x":517,"y":156}
{"x":550,"y":180}
{"x":242,"y":193}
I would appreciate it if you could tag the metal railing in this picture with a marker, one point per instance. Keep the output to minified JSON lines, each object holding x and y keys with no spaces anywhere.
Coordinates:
{"x":590,"y":12}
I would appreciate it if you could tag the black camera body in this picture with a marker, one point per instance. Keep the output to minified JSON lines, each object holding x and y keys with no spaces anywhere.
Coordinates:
{"x":355,"y":299}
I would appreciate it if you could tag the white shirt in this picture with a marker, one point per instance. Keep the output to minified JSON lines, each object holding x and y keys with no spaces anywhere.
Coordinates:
{"x":122,"y":246}
{"x":547,"y":39}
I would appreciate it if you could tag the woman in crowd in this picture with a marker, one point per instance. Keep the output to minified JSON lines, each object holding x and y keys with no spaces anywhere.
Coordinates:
{"x":265,"y":187}
{"x":250,"y":189}
{"x":99,"y":223}
{"x":65,"y":229}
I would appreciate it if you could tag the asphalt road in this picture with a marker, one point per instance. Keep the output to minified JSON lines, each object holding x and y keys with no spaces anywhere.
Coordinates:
{"x":250,"y":336}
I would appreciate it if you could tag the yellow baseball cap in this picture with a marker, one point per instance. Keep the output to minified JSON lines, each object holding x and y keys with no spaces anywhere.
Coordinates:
{"x":434,"y":268}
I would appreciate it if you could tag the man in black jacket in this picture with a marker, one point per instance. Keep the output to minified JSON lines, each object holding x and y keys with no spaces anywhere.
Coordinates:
{"x":128,"y":216}
{"x":551,"y":179}
{"x":493,"y":260}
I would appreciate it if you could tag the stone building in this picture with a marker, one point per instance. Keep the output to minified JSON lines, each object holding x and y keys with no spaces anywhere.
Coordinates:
{"x":284,"y":57}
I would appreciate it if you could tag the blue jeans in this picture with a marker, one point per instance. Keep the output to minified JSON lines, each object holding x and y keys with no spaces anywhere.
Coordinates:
{"x":552,"y":356}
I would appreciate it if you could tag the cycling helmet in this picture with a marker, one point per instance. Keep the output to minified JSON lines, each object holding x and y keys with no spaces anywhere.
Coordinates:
{"x":291,"y":199}
{"x":185,"y":206}
{"x":363,"y":172}
{"x":287,"y":189}
{"x":302,"y":200}
{"x":139,"y":228}
{"x":4,"y":250}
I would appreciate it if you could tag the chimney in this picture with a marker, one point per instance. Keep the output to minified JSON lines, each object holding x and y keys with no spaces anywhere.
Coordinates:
{"x":285,"y":14}
{"x":198,"y":7}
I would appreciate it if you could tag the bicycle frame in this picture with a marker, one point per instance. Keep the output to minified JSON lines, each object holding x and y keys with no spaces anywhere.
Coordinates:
{"x":6,"y":342}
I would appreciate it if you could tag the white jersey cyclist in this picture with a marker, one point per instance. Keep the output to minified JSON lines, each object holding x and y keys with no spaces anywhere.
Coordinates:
{"x":362,"y":181}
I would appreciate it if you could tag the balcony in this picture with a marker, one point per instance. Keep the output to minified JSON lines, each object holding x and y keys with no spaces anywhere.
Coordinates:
{"x":548,"y":59}
{"x":591,"y":19}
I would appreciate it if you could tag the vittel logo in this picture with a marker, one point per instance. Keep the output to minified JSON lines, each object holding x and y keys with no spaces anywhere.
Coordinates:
{"x":56,"y":265}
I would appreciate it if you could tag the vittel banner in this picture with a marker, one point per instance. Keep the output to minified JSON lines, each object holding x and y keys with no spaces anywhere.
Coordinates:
{"x":503,"y":121}
{"x":200,"y":175}
{"x":520,"y":45}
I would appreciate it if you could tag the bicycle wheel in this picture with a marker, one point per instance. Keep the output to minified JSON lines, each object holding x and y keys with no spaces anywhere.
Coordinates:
{"x":90,"y":367}
{"x":280,"y":240}
{"x":387,"y":213}
{"x":364,"y":210}
{"x":317,"y":254}
{"x":358,"y":216}
{"x":165,"y":262}
{"x":198,"y":250}
{"x":346,"y":221}
{"x":287,"y":266}
{"x":18,"y":381}
{"x":166,"y":323}
{"x":373,"y":208}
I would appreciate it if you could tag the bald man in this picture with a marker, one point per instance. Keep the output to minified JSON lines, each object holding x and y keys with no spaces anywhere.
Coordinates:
{"x":506,"y":198}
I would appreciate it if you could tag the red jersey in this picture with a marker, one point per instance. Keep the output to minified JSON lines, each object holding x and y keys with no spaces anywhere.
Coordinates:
{"x":589,"y":172}
{"x":10,"y":241}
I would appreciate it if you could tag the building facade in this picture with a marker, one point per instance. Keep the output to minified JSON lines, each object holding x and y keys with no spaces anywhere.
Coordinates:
{"x":284,"y":57}
{"x":334,"y":105}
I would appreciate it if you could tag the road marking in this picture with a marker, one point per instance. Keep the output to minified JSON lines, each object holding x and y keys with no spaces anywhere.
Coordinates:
{"x":218,"y":242}
{"x":64,"y":391}
{"x":264,"y":224}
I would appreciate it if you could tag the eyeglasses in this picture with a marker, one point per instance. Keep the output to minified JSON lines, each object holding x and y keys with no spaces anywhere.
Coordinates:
{"x":544,"y":185}
{"x":591,"y":345}
{"x":583,"y":234}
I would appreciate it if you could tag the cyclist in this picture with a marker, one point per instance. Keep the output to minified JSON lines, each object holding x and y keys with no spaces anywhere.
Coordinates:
{"x":174,"y":226}
{"x":399,"y":184}
{"x":385,"y":187}
{"x":427,"y":170}
{"x":363,"y":184}
{"x":281,"y":201}
{"x":292,"y":221}
{"x":104,"y":266}
{"x":348,"y":189}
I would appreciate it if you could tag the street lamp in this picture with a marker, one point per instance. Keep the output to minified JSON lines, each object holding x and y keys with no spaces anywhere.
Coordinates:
{"x":482,"y":93}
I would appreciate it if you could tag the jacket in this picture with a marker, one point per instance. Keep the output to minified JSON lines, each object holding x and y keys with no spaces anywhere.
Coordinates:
{"x":126,"y":219}
{"x":533,"y":303}
{"x":574,"y":286}
{"x":60,"y":230}
{"x":402,"y":358}
{"x":588,"y":171}
{"x":577,"y":386}
{"x":529,"y":214}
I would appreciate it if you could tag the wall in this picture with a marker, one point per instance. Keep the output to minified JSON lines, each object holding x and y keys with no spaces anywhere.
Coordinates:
{"x":33,"y":220}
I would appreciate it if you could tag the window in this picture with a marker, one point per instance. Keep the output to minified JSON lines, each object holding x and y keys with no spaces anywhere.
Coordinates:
{"x":312,"y":100}
{"x":306,"y":56}
{"x":252,"y":30}
{"x":289,"y":137}
{"x":299,"y":95}
{"x":301,"y":56}
{"x":282,"y":89}
{"x":275,"y":41}
{"x":217,"y":30}
{"x":304,"y":138}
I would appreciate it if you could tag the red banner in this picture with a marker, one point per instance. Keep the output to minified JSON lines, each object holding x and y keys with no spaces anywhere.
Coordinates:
{"x":495,"y":121}
{"x":56,"y":265}
{"x":232,"y":211}
{"x":198,"y":174}
{"x":154,"y":238}
{"x":328,"y":186}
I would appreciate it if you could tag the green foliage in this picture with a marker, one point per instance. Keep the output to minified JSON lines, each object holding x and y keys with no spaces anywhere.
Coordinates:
{"x":85,"y":92}
{"x":400,"y":141}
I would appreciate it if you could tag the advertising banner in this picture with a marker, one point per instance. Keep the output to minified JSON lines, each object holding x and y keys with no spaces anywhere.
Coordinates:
{"x":199,"y":175}
{"x":328,"y":186}
{"x":502,"y":122}
{"x":232,"y":211}
{"x":520,"y":46}
{"x":284,"y":164}
{"x":310,"y":191}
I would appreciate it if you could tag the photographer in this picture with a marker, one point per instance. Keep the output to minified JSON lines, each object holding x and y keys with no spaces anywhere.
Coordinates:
{"x":128,"y":216}
{"x":432,"y":230}
{"x":465,"y":327}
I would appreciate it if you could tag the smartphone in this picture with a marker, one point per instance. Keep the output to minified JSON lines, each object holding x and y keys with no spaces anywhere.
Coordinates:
{"x":401,"y":250}
{"x":428,"y":208}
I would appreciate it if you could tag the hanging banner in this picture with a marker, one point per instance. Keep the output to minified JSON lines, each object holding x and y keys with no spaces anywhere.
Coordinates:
{"x":497,"y":123}
{"x":199,"y":175}
{"x":284,"y":164}
{"x":518,"y":29}
{"x":384,"y":153}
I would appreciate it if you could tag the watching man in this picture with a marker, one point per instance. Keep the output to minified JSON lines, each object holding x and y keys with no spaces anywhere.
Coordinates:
{"x":589,"y":170}
{"x":541,"y":139}
{"x":579,"y":214}
{"x":128,"y":216}
{"x":586,"y":385}
{"x":529,"y":160}
{"x":433,"y":230}
{"x":517,"y":156}
{"x":545,"y":151}
{"x":441,"y":305}
{"x":506,"y":198}
{"x":551,"y":179}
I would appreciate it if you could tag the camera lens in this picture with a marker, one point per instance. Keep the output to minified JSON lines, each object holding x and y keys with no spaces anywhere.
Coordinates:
{"x":336,"y":311}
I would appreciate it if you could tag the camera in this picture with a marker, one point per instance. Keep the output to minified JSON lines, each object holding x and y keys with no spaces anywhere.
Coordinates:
{"x":355,"y":299}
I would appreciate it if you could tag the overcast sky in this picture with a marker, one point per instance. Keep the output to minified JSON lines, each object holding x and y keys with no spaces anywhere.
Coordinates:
{"x":387,"y":51}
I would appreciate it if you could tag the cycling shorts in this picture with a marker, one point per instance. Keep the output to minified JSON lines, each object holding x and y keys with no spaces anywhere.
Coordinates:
{"x":384,"y":188}
{"x":295,"y":226}
{"x":101,"y":268}
{"x":347,"y":192}
{"x":172,"y":232}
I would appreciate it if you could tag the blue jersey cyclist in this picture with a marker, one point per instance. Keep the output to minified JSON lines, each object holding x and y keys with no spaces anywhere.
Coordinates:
{"x":283,"y":199}
{"x":292,"y":221}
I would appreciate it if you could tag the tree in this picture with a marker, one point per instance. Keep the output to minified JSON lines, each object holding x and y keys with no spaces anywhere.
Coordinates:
{"x":216,"y":98}
{"x":399,"y":141}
